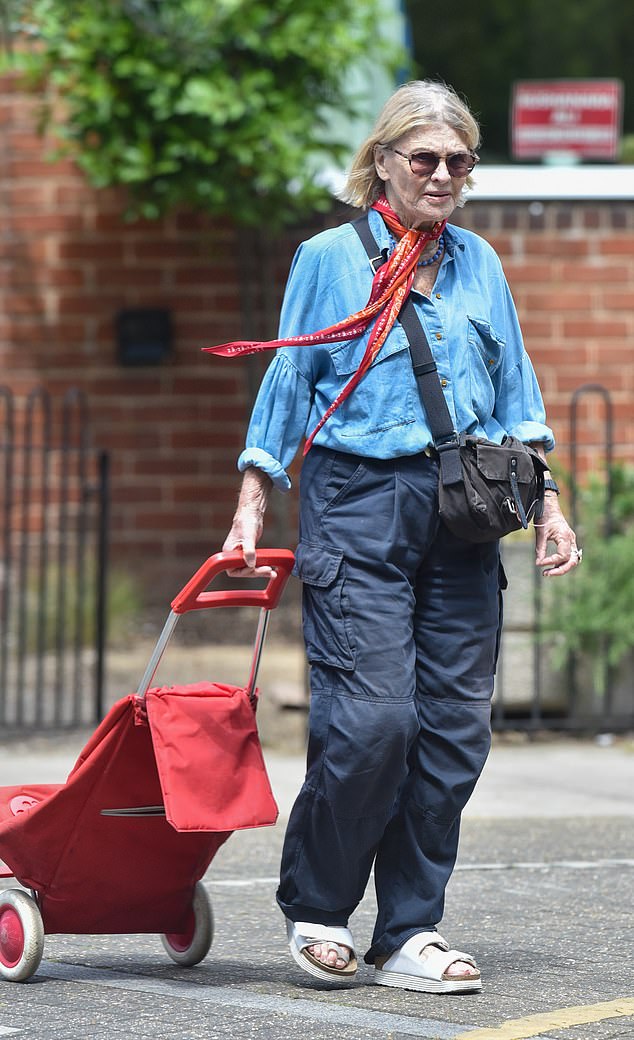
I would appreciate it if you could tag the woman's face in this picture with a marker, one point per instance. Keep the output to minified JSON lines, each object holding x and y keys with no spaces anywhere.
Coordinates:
{"x":420,"y":201}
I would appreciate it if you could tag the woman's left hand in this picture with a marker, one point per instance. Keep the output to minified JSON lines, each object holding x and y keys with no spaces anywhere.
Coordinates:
{"x":553,"y":527}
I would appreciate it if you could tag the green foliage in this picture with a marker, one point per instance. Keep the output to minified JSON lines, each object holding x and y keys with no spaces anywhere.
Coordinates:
{"x":45,"y":592}
{"x":593,"y":609}
{"x":219,"y":105}
{"x":483,"y":46}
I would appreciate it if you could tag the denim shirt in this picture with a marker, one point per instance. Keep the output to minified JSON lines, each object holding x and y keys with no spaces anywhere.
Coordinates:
{"x":473,"y":331}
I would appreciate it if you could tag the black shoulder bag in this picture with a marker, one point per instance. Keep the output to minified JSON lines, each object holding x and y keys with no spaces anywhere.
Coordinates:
{"x":485,"y":490}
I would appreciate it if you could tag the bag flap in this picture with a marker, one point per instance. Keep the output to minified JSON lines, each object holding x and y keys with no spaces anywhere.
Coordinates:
{"x":494,"y":461}
{"x":209,"y":759}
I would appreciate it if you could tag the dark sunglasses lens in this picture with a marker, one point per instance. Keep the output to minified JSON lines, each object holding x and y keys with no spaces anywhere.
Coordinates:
{"x":460,"y":164}
{"x":423,"y":163}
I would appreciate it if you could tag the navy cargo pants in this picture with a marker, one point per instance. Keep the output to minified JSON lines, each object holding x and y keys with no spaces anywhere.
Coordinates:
{"x":401,"y":624}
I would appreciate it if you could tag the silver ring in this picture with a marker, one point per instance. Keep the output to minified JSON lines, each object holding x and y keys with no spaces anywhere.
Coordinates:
{"x":578,"y":553}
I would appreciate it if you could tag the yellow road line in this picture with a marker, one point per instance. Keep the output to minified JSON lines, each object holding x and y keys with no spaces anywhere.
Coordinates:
{"x":562,"y":1018}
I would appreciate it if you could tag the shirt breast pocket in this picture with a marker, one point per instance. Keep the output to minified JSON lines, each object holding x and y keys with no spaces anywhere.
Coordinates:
{"x":384,"y":398}
{"x":486,"y":353}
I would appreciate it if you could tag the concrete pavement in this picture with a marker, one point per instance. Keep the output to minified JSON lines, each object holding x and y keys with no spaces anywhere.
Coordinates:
{"x":542,"y":895}
{"x":544,"y":778}
{"x":555,"y":778}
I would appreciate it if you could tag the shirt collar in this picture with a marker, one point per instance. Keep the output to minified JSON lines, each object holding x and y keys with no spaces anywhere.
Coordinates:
{"x":382,"y":235}
{"x":452,"y":242}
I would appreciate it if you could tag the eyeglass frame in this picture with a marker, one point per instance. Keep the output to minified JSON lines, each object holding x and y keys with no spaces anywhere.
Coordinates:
{"x":438,"y":158}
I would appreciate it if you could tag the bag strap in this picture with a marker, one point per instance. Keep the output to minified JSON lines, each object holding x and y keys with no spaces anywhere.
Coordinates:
{"x":446,"y":440}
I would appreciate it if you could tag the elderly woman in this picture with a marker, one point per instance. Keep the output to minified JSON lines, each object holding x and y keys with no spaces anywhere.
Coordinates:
{"x":401,"y":617}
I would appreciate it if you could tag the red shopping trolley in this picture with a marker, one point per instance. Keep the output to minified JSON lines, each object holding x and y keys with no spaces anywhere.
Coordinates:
{"x":165,"y":779}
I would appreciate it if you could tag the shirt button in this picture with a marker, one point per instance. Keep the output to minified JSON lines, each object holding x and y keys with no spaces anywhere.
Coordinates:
{"x":439,"y":335}
{"x":438,"y":296}
{"x":491,"y":361}
{"x":443,"y":382}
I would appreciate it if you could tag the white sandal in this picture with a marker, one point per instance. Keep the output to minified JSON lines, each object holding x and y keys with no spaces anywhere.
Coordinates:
{"x":421,"y":964}
{"x":302,"y":934}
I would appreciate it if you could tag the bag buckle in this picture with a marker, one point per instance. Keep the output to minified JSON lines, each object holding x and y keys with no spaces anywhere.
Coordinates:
{"x":519,"y":510}
{"x":447,"y":443}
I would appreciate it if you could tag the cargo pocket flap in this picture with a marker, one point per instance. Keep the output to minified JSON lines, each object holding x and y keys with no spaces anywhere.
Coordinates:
{"x":317,"y":564}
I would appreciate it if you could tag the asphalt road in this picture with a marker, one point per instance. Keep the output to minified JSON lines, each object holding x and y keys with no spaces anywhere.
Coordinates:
{"x":542,"y":896}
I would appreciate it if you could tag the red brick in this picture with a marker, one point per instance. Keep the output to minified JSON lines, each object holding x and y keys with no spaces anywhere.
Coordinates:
{"x":165,"y":468}
{"x":158,"y":520}
{"x":619,"y":300}
{"x":554,"y":301}
{"x":73,"y":194}
{"x":68,"y":331}
{"x":24,"y":303}
{"x":199,"y":329}
{"x":166,"y":250}
{"x":535,"y":327}
{"x":21,"y":139}
{"x":519,"y":272}
{"x":595,"y":328}
{"x":85,"y":304}
{"x":623,"y":411}
{"x":503,"y":244}
{"x":130,"y":277}
{"x":90,"y":250}
{"x":30,"y":196}
{"x":594,"y":271}
{"x":34,"y":251}
{"x":122,"y":381}
{"x":41,"y":223}
{"x":220,"y":385}
{"x":617,"y":246}
{"x":210,"y":275}
{"x":570,"y":380}
{"x":554,"y":247}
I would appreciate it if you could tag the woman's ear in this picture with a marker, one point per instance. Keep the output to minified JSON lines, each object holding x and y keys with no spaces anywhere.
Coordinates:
{"x":379,"y":162}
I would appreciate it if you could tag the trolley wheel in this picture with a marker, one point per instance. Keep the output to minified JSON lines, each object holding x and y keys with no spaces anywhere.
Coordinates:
{"x":191,"y":946}
{"x":21,"y":935}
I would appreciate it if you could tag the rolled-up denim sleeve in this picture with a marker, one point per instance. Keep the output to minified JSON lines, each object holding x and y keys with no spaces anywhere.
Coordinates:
{"x":278,"y":421}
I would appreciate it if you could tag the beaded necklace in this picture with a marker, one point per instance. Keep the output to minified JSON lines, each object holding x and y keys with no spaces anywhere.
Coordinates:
{"x":430,"y":260}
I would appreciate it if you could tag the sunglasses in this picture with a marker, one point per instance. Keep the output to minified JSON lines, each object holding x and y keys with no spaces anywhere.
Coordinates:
{"x":422,"y":164}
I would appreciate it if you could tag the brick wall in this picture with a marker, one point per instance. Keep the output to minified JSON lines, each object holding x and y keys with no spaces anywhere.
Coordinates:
{"x":571,"y":270}
{"x":69,"y":264}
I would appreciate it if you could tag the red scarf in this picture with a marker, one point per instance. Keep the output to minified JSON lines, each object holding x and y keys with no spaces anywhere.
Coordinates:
{"x":390,"y":288}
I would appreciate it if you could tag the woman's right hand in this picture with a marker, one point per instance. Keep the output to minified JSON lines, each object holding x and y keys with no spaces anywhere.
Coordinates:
{"x":248,"y":523}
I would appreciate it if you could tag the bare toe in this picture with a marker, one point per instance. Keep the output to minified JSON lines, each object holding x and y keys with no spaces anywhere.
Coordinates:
{"x":330,"y":954}
{"x":461,"y":968}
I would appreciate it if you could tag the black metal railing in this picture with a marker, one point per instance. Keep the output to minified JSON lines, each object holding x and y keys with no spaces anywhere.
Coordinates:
{"x":531,"y":695}
{"x":53,"y":548}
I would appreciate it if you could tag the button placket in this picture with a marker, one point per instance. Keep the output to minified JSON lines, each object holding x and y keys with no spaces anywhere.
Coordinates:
{"x":438,"y":341}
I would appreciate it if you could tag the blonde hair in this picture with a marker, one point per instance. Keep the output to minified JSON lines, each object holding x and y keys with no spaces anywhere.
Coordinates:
{"x":419,"y":103}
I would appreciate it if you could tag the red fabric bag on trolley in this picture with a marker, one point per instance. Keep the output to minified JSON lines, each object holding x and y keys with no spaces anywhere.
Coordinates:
{"x":205,"y":738}
{"x":209,"y":758}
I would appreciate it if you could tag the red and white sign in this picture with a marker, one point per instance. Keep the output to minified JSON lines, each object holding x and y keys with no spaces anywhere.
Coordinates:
{"x":574,"y":117}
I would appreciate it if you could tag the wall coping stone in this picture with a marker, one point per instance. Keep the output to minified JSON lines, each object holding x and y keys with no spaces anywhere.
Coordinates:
{"x":592,"y":183}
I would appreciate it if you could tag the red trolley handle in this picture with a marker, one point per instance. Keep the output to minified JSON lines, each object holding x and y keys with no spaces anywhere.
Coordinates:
{"x":194,"y":597}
